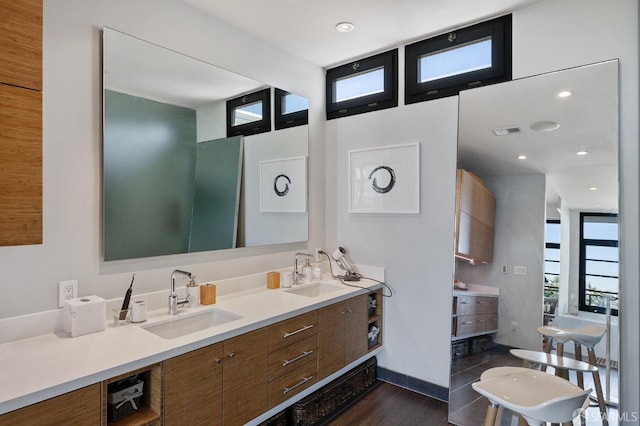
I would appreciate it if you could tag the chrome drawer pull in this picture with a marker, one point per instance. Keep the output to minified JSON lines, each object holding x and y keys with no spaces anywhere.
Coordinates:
{"x":302,"y":355}
{"x":468,"y":322}
{"x":304,"y":380}
{"x":305,"y":328}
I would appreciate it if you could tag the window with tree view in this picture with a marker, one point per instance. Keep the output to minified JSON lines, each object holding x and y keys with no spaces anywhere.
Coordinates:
{"x":552,"y":259}
{"x":599,"y":262}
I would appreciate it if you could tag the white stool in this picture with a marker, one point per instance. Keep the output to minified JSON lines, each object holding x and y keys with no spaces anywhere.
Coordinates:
{"x":587,"y":336}
{"x":538,"y":397}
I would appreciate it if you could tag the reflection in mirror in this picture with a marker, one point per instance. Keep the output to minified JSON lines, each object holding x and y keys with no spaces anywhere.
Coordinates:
{"x":173,"y":182}
{"x":542,"y":154}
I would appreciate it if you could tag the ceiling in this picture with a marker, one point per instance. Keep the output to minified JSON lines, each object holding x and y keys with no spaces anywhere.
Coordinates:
{"x":588,"y":121}
{"x":306,"y":28}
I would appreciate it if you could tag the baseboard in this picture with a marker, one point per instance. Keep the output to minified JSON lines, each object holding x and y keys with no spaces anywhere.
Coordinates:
{"x":425,"y":388}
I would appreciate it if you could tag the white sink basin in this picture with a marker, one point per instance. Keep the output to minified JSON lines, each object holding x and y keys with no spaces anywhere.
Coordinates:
{"x":182,"y":325}
{"x":314,"y":290}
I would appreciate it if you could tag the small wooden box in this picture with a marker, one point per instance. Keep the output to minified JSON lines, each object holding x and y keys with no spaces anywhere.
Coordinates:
{"x":207,"y":294}
{"x":273,"y":279}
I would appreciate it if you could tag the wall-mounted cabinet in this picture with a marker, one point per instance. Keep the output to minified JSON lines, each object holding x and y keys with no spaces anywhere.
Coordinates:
{"x":21,"y":122}
{"x":475,"y":213}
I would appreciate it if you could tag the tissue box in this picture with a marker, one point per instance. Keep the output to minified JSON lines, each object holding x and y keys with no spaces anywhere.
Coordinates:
{"x":83,"y":315}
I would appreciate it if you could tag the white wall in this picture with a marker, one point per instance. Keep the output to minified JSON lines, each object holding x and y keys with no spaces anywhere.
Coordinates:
{"x":72,"y":149}
{"x":518,"y":241}
{"x":261,"y":227}
{"x":416,"y":249}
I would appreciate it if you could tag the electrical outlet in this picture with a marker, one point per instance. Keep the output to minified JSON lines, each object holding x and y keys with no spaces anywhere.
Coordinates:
{"x":318,"y":257}
{"x":67,"y":290}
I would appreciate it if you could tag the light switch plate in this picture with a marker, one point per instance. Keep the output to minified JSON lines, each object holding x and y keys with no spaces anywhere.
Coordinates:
{"x":520,"y":270}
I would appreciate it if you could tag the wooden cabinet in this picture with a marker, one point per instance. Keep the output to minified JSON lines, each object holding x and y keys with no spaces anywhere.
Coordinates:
{"x":244,"y":377}
{"x":223,"y":383}
{"x":475,"y":212}
{"x":21,"y":122}
{"x":193,"y":387}
{"x":80,"y":407}
{"x":342,"y":334}
{"x":293,"y":346}
{"x":474,"y":315}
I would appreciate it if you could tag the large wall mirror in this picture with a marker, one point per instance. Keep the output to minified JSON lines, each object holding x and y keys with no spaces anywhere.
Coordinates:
{"x":173,"y":182}
{"x":547,"y":147}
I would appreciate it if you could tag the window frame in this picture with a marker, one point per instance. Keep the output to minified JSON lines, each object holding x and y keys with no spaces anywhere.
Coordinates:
{"x":582,"y":305}
{"x":388,"y":98}
{"x":293,"y":119}
{"x":255,"y":127}
{"x":555,"y":246}
{"x":498,"y":29}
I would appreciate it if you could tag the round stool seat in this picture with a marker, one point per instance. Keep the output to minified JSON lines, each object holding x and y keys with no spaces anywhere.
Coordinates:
{"x":538,"y":397}
{"x":588,"y":336}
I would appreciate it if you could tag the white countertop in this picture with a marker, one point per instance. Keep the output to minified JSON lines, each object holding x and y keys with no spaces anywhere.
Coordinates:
{"x":478,"y":290}
{"x":45,"y":366}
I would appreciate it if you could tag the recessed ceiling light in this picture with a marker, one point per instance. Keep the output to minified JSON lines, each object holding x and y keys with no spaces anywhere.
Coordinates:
{"x":565,"y":93}
{"x":522,"y":157}
{"x":593,"y":188}
{"x":582,"y":152}
{"x":345,"y":27}
{"x":544,"y":126}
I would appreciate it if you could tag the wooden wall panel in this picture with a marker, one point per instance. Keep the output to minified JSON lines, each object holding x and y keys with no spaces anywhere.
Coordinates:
{"x":20,"y":166}
{"x":21,"y":43}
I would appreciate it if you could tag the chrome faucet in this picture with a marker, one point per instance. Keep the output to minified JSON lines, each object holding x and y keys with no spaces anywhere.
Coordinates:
{"x":298,"y":276}
{"x":174,"y":301}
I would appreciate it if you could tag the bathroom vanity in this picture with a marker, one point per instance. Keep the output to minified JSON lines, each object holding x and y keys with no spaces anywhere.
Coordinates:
{"x":279,"y":346}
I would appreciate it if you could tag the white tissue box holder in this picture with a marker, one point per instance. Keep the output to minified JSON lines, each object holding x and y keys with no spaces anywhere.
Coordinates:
{"x":83,"y":315}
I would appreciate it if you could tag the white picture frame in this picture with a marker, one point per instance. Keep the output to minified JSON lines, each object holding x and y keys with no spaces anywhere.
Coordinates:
{"x":385,"y":179}
{"x":283,"y":185}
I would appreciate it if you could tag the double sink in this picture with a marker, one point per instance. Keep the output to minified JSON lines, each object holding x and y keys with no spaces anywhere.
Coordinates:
{"x":182,"y":325}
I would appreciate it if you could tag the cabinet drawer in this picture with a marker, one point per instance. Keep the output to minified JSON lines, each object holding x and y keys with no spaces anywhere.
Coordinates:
{"x":287,"y":385}
{"x":468,"y":324}
{"x":488,"y":305}
{"x":468,"y":305}
{"x":492,"y":322}
{"x":293,"y":356}
{"x":293,"y":330}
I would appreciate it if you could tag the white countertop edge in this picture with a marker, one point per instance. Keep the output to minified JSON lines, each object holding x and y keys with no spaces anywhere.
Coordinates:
{"x":65,"y":372}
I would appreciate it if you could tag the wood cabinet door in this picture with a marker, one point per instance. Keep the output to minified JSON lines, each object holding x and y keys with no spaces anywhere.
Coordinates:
{"x":475,"y":212}
{"x":21,"y":43}
{"x":245,"y":377}
{"x":80,"y":407}
{"x":193,"y":387}
{"x":331,"y":331}
{"x":355,"y":328}
{"x":21,"y":170}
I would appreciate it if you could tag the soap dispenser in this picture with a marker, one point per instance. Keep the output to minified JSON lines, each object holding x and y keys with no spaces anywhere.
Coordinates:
{"x":193,"y":290}
{"x":307,"y":273}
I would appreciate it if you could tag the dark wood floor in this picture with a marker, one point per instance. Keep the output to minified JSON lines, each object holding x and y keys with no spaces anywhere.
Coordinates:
{"x":391,"y":405}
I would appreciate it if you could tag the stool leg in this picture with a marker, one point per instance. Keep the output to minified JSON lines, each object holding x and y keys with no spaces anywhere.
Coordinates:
{"x":578,"y":352}
{"x":492,"y":412}
{"x":598,"y":386}
{"x":560,"y":353}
